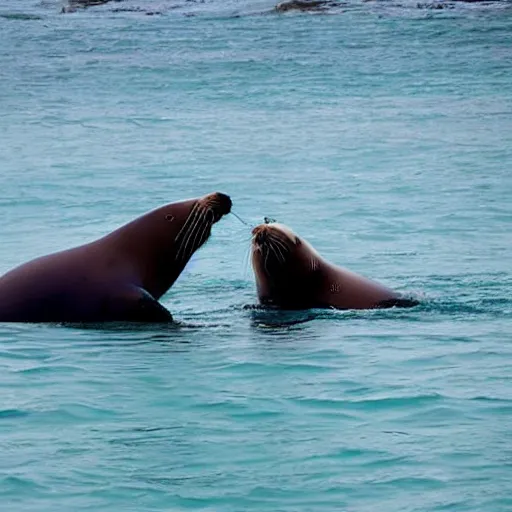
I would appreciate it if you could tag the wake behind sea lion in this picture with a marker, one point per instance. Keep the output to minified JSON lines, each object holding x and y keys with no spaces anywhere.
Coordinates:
{"x":290,"y":274}
{"x":119,"y":277}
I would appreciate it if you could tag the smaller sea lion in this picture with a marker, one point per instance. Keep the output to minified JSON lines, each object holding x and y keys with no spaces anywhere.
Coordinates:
{"x":290,"y":274}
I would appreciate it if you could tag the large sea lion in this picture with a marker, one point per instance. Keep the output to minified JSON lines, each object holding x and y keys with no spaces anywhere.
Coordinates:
{"x":290,"y":274}
{"x":119,"y":277}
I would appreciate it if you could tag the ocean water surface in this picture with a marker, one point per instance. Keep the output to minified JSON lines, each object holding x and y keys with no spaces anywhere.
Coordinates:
{"x":379,"y":131}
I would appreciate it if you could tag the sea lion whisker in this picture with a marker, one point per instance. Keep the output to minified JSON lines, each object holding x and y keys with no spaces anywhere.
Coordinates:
{"x":203,"y":234}
{"x":275,"y":236}
{"x":198,"y":230}
{"x":187,"y":222}
{"x":183,"y":241}
{"x":274,"y":248}
{"x":282,"y":256}
{"x":245,"y":239}
{"x":277,"y":253}
{"x":210,"y":205}
{"x":266,"y":260}
{"x":280,"y":243}
{"x":208,"y":224}
{"x":205,"y":226}
{"x":194,"y":228}
{"x":284,"y":250}
{"x":200,"y":222}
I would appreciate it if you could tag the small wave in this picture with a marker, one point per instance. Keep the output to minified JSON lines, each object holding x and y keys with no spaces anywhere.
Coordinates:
{"x":369,"y":403}
{"x":71,"y":413}
{"x":19,"y":484}
{"x":492,"y":400}
{"x":50,"y":369}
{"x":412,"y":483}
{"x":13,"y":413}
{"x":20,"y":16}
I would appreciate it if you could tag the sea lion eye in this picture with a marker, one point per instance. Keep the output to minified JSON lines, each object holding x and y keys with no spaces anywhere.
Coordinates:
{"x":169,"y":217}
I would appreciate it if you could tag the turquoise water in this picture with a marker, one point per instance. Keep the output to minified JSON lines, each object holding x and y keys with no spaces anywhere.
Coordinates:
{"x":382,"y":133}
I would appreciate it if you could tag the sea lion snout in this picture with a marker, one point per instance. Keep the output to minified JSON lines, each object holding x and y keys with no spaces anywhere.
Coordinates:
{"x":274,"y":232}
{"x":219,"y":203}
{"x":225,"y":202}
{"x":260,"y":235}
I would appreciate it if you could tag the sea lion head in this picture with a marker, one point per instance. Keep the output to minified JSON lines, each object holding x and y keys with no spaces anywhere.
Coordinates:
{"x":195,"y":227}
{"x":159,"y":244}
{"x":285,"y":266}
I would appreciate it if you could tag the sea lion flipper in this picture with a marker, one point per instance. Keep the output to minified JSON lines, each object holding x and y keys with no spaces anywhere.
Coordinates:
{"x":150,"y":310}
{"x":140,"y":306}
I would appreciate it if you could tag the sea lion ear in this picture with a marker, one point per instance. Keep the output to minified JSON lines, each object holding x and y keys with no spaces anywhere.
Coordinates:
{"x":297,"y":240}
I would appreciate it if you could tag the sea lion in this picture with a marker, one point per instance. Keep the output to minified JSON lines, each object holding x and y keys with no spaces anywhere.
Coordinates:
{"x":290,"y":274}
{"x":119,"y":277}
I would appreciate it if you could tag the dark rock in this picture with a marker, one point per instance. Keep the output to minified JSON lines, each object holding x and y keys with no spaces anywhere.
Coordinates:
{"x":74,"y":5}
{"x":304,"y":5}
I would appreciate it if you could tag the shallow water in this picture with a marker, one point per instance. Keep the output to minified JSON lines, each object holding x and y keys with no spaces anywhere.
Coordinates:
{"x":382,"y":133}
